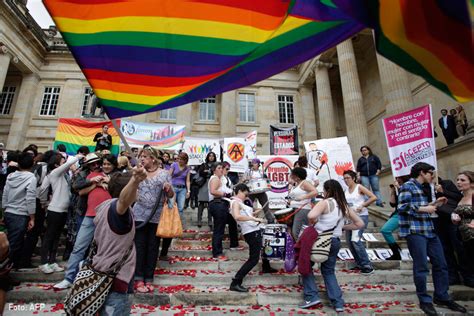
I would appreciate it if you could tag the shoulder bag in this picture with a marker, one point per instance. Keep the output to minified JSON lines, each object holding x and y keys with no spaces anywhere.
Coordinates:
{"x":322,"y":245}
{"x":91,"y":287}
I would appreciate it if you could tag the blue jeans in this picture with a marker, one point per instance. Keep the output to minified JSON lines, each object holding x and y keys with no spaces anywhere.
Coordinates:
{"x":420,"y":248}
{"x":357,"y":246}
{"x":180,"y":199}
{"x":334,"y":292}
{"x":388,"y":228}
{"x":117,"y":304}
{"x":16,"y":227}
{"x":372,"y":182}
{"x":83,"y":240}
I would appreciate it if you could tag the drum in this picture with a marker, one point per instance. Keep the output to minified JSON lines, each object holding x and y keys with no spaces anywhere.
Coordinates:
{"x":274,"y":242}
{"x":283,"y":216}
{"x":257,"y":186}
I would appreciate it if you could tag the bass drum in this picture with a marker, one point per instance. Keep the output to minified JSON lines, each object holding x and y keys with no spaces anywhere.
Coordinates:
{"x":258,"y":186}
{"x":274,"y":242}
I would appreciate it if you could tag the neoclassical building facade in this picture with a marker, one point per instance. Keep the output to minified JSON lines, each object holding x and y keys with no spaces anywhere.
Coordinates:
{"x":347,"y":90}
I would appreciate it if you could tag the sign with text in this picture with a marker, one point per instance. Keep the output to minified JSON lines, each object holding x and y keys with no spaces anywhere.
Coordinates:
{"x":251,"y":145}
{"x":283,"y":141}
{"x":278,"y":169}
{"x":234,"y":153}
{"x":410,"y":139}
{"x":159,"y":136}
{"x":198,"y":148}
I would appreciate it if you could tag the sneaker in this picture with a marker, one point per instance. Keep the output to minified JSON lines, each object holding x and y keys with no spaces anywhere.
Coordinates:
{"x":64,"y":284}
{"x":452,"y":305}
{"x":56,"y":268}
{"x":428,"y":309}
{"x":309,"y":304}
{"x":356,"y":268}
{"x":46,"y":269}
{"x":339,"y":309}
{"x":367,"y":271}
{"x":234,"y":248}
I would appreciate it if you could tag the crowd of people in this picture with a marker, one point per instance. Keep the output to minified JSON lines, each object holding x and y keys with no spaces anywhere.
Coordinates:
{"x":453,"y":124}
{"x":113,"y":205}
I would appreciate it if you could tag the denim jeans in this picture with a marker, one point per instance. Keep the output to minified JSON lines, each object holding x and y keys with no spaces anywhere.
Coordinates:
{"x":420,"y":248}
{"x":357,"y":246}
{"x":180,"y":199}
{"x":221,"y":216}
{"x":83,"y":240}
{"x":388,"y":228}
{"x":334,"y":292}
{"x":372,"y":182}
{"x":16,"y":227}
{"x":254,"y":240}
{"x":117,"y":304}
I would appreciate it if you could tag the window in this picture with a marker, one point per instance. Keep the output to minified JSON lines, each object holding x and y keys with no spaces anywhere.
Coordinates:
{"x":247,"y":107}
{"x":207,"y":109}
{"x":168,"y":114}
{"x":49,"y":105}
{"x":86,"y":101}
{"x":6,"y":100}
{"x":285,"y":108}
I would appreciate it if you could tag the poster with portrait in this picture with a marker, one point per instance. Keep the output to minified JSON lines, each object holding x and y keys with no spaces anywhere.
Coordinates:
{"x":278,"y":169}
{"x":234,"y":154}
{"x":198,"y":148}
{"x":329,"y":158}
{"x":283,"y":141}
{"x":410,"y":139}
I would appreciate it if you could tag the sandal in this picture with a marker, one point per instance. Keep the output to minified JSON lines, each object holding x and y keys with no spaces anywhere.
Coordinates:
{"x":140,"y":287}
{"x":150,"y":287}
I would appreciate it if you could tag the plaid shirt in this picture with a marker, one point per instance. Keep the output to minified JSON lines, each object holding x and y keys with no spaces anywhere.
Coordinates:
{"x":410,"y":199}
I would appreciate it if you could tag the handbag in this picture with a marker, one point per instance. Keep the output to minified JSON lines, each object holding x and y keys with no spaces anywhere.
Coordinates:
{"x":91,"y":287}
{"x":170,"y":222}
{"x":322,"y":245}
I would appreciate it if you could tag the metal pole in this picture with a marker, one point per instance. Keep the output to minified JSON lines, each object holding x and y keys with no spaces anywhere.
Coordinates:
{"x":122,"y":138}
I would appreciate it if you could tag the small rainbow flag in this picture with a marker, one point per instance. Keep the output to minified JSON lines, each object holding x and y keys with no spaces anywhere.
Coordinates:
{"x":75,"y":133}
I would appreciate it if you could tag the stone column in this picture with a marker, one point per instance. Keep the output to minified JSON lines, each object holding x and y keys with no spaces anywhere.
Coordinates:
{"x":327,"y":117}
{"x":395,"y":86}
{"x":184,"y":117}
{"x":22,"y":112}
{"x":4,"y":63}
{"x":71,"y":98}
{"x":308,"y":115}
{"x":356,"y":124}
{"x":228,"y":113}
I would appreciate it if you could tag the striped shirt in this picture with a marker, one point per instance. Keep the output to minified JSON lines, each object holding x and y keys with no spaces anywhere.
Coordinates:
{"x":410,"y":199}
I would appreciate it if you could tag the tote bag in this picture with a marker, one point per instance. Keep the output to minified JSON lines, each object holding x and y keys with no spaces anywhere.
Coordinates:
{"x":170,"y":225}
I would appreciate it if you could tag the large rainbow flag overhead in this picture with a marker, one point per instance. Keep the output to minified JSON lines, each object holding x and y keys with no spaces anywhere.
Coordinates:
{"x":74,"y":133}
{"x":147,"y":55}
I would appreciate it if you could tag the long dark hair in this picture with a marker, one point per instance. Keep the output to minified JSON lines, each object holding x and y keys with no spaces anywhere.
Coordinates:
{"x":334,"y":190}
{"x":211,"y":153}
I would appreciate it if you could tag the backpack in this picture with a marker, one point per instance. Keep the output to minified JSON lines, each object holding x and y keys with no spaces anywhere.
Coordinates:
{"x":40,"y":171}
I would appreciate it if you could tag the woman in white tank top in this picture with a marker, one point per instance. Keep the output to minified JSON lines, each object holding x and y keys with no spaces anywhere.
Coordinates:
{"x":358,"y":197}
{"x":300,"y":198}
{"x":325,"y":215}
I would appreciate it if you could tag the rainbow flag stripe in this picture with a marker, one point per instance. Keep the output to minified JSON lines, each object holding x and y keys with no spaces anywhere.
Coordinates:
{"x":431,"y":38}
{"x":75,"y":133}
{"x":142,"y":56}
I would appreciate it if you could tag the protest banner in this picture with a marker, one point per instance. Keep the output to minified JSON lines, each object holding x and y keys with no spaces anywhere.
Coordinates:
{"x":234,"y":153}
{"x":278,"y":169}
{"x":198,"y":148}
{"x":74,"y":133}
{"x":283,"y":141}
{"x":159,"y":136}
{"x":329,"y":158}
{"x":410,"y":139}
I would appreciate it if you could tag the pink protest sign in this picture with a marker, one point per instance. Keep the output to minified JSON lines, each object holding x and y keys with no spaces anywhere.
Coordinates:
{"x":410,"y":139}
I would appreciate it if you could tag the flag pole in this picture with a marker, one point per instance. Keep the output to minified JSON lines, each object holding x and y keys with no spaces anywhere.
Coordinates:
{"x":120,"y":134}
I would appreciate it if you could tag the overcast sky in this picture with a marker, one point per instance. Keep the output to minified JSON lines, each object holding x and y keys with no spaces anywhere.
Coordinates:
{"x":39,"y":13}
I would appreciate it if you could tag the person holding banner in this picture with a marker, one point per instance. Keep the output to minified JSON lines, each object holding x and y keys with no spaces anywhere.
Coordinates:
{"x":368,"y":169}
{"x":204,"y":173}
{"x":358,"y":197}
{"x":219,"y":209}
{"x":254,"y":174}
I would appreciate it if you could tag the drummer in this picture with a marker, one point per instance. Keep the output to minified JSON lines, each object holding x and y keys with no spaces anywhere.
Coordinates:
{"x":252,"y":174}
{"x":300,"y":196}
{"x":249,"y":225}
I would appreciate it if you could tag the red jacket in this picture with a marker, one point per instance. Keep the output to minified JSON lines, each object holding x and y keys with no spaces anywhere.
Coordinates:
{"x":303,"y":250}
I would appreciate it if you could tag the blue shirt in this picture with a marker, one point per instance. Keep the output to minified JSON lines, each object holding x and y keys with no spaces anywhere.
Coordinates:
{"x":410,"y":199}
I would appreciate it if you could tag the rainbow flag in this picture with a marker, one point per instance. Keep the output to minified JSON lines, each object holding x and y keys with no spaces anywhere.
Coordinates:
{"x":75,"y":133}
{"x":142,"y":56}
{"x":431,"y":38}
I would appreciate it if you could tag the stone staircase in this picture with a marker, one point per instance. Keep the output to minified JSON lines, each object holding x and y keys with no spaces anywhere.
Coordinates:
{"x":192,"y":283}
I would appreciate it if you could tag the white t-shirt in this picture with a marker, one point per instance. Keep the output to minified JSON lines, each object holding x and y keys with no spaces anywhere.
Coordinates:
{"x":245,"y":226}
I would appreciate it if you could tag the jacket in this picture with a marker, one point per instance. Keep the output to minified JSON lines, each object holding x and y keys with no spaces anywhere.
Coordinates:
{"x":19,"y":194}
{"x":451,"y":192}
{"x":303,"y":250}
{"x":368,"y":166}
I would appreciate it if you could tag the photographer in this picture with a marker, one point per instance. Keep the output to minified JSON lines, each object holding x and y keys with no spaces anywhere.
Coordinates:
{"x":103,"y":140}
